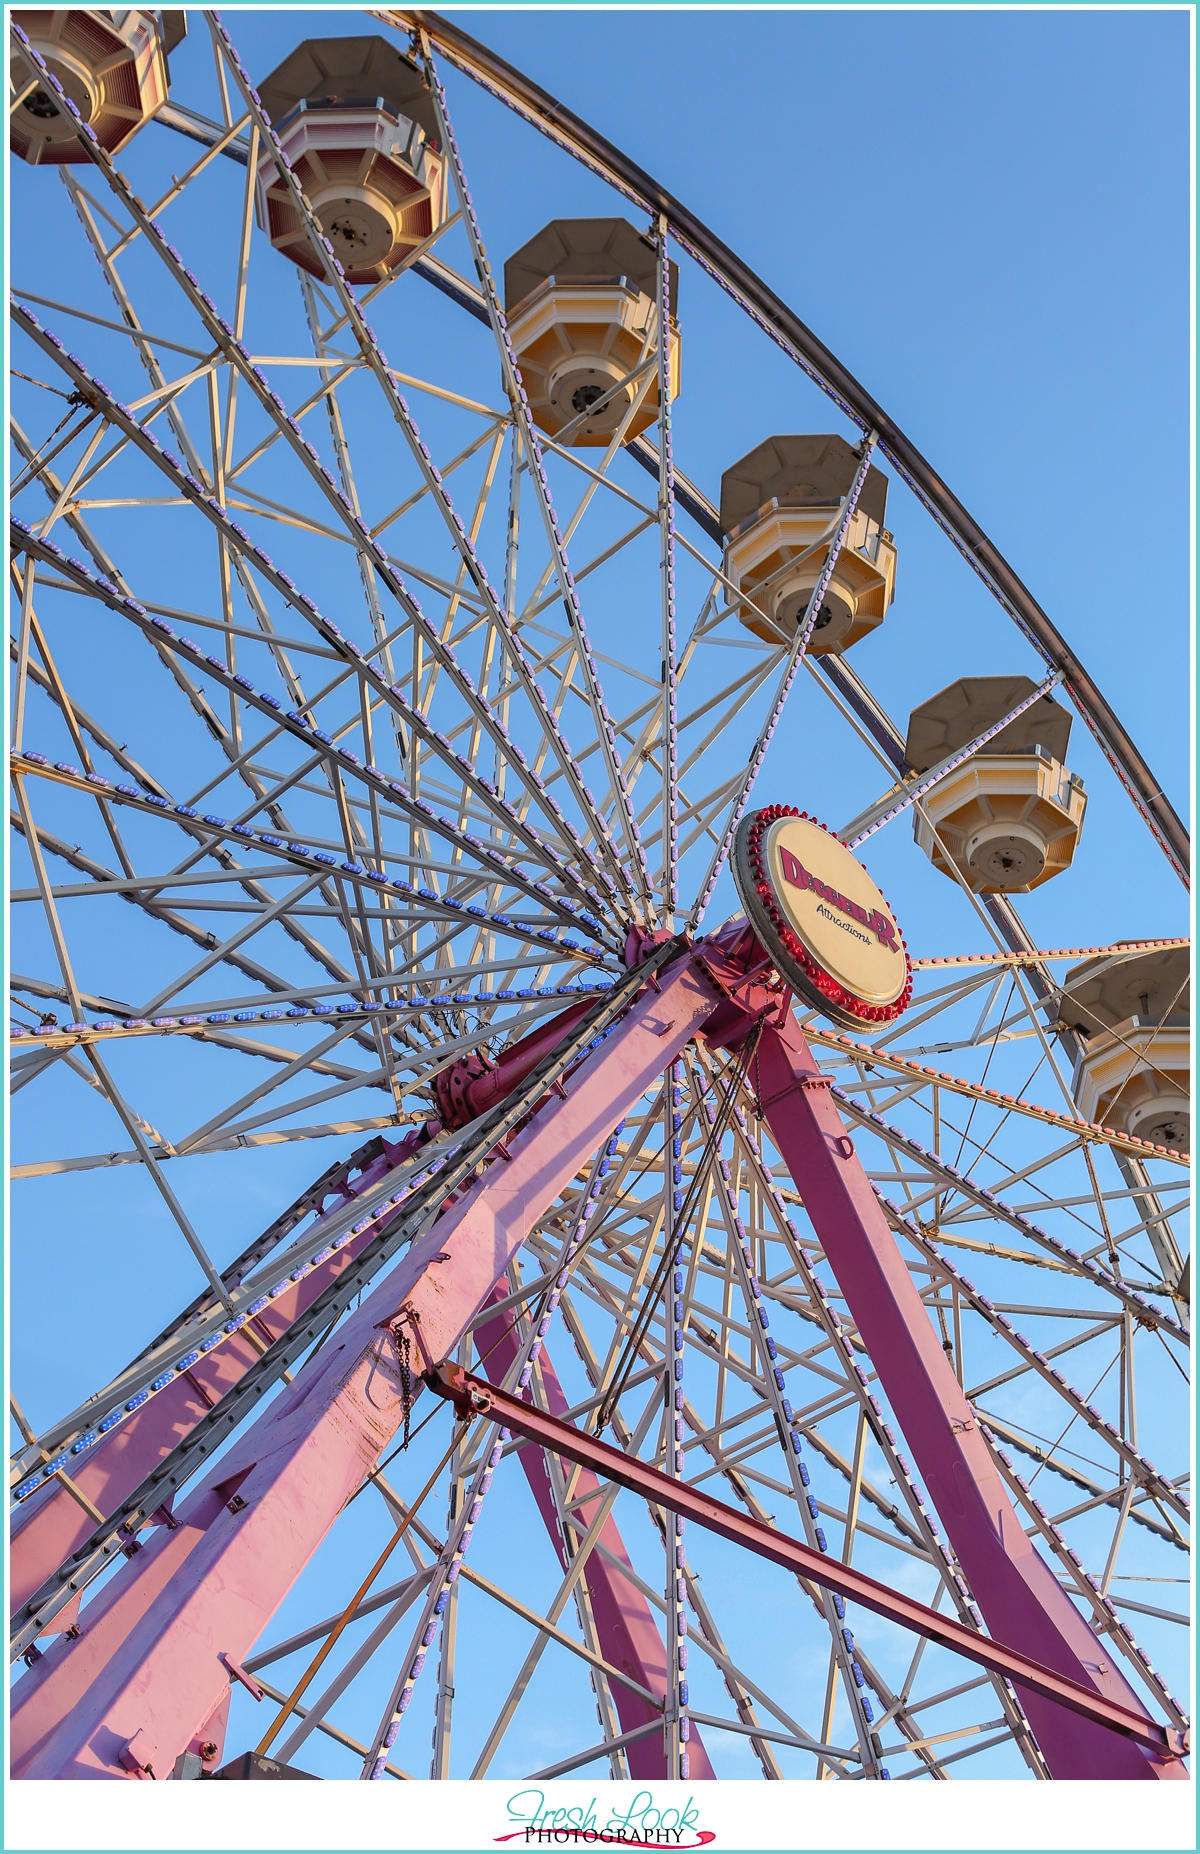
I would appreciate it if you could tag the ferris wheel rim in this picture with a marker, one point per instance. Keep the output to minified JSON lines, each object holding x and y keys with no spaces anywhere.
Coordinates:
{"x":569,"y":131}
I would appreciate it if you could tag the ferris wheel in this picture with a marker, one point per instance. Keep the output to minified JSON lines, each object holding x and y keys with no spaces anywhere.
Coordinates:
{"x":614,"y":1343}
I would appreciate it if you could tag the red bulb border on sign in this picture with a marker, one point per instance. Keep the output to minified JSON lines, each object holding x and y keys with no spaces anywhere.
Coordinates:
{"x":830,"y":993}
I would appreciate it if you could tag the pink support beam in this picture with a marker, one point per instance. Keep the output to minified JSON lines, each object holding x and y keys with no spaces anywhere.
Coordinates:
{"x":628,"y":1634}
{"x":51,"y":1524}
{"x":149,"y":1659}
{"x":151,"y":1664}
{"x":1021,"y":1600}
{"x":48,"y":1527}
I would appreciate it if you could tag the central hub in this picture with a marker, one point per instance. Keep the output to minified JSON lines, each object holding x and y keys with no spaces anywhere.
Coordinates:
{"x":575,"y":387}
{"x":821,"y":919}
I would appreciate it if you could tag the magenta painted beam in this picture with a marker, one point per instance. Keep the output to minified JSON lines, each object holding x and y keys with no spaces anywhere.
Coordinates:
{"x":627,"y":1632}
{"x":1112,"y":1717}
{"x":1022,"y":1602}
{"x":51,"y":1525}
{"x":148,"y":1663}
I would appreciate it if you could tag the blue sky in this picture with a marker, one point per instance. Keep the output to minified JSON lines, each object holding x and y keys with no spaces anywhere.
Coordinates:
{"x":985,"y":216}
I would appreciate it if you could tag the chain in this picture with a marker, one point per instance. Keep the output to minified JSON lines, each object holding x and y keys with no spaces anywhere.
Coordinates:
{"x":406,"y":1383}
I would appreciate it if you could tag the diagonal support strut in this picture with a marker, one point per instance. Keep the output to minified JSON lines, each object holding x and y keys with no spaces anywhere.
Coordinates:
{"x":471,"y":1394}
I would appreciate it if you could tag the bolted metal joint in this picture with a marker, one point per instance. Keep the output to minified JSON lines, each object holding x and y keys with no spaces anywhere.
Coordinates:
{"x":455,"y":1384}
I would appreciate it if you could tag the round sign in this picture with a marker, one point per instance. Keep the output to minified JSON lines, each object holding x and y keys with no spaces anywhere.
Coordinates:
{"x":821,"y":918}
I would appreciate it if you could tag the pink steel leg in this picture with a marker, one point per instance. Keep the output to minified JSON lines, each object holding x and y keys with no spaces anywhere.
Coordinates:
{"x":148,"y":1660}
{"x":626,"y":1629}
{"x":1020,"y":1598}
{"x":51,"y":1524}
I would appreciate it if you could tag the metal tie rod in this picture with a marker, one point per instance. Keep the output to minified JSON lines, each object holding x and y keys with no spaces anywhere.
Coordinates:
{"x":475,"y":1396}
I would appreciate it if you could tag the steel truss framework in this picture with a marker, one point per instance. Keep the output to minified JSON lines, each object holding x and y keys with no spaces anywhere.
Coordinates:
{"x":445,"y":826}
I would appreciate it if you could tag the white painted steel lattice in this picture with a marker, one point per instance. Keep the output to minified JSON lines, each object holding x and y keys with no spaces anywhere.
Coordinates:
{"x":360,"y":729}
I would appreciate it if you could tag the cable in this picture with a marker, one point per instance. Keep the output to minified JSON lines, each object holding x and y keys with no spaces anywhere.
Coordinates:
{"x":72,"y":399}
{"x":391,"y":1458}
{"x":633,"y":1343}
{"x":348,"y":1614}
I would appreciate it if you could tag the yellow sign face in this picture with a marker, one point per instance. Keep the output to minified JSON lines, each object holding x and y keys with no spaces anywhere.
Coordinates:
{"x":835,"y":910}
